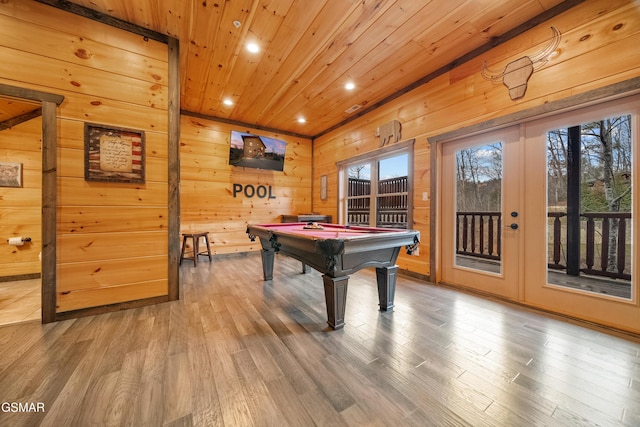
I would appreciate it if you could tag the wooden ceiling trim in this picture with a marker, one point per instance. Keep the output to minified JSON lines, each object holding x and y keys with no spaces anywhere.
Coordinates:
{"x":105,"y":19}
{"x":243,"y":125}
{"x":492,"y":43}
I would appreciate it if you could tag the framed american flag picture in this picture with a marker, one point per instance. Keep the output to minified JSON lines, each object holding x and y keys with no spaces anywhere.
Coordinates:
{"x":113,"y":154}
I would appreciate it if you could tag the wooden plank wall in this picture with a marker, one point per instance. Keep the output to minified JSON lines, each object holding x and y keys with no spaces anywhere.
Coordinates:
{"x":20,"y":207}
{"x":112,"y":238}
{"x":599,"y":47}
{"x":207,"y":202}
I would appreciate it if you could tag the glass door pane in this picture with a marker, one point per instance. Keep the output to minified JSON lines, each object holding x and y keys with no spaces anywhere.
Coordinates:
{"x":359,"y":194}
{"x":589,"y":206}
{"x":392,"y":196}
{"x":478,"y":198}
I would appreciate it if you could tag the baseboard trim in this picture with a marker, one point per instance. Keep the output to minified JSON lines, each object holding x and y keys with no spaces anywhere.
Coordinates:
{"x":17,"y":277}
{"x":92,"y":311}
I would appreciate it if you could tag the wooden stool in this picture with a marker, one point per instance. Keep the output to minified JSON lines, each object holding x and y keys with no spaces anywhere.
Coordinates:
{"x":195,"y":237}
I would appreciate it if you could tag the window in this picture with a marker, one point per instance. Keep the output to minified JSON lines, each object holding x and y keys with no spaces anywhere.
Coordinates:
{"x":376,"y":188}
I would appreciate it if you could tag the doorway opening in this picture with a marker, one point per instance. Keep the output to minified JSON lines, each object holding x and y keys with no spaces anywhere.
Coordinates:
{"x":48,"y":201}
{"x":20,"y":210}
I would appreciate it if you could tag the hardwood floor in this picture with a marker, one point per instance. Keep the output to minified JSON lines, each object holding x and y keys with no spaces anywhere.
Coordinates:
{"x":20,"y":301}
{"x":237,"y":351}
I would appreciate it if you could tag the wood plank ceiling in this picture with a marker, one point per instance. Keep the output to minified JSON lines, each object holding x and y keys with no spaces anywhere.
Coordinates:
{"x":309,"y":50}
{"x":16,"y":111}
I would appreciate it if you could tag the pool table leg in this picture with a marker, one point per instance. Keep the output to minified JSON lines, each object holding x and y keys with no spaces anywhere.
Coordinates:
{"x":386,"y":286}
{"x":267,"y":264}
{"x":335,"y":294}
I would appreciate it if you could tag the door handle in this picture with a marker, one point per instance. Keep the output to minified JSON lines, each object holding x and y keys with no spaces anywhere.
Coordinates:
{"x":512,"y":226}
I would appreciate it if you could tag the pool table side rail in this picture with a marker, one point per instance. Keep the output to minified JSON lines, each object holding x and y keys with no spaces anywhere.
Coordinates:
{"x":335,"y":245}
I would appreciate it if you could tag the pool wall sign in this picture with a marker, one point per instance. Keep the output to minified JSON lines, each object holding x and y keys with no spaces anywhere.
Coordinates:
{"x":250,"y":190}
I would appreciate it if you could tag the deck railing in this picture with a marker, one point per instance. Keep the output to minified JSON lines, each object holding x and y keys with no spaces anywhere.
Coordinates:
{"x":479,"y":235}
{"x":391,"y":202}
{"x":596,"y":229}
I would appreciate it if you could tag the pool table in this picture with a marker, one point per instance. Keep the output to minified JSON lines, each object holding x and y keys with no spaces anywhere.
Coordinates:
{"x":337,"y":251}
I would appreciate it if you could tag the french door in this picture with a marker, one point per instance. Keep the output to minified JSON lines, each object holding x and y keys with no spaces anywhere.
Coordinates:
{"x":480,"y":231}
{"x":543,"y":213}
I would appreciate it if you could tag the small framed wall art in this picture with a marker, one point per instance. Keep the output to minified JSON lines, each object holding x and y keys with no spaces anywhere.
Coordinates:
{"x":10,"y":174}
{"x":113,"y":154}
{"x":323,"y":187}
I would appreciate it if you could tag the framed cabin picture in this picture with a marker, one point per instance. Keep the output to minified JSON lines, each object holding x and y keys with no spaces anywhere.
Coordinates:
{"x":10,"y":174}
{"x":113,"y":154}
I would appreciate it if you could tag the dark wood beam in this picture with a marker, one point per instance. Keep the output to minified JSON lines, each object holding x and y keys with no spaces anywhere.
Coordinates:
{"x":30,"y":94}
{"x":14,"y":121}
{"x":242,"y":125}
{"x":49,"y":210}
{"x":174,"y":169}
{"x":106,"y":19}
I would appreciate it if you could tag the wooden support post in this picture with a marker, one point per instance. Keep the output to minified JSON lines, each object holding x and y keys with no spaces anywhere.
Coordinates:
{"x":573,"y":201}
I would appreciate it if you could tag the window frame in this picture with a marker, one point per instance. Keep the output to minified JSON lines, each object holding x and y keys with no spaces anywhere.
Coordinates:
{"x":373,"y":157}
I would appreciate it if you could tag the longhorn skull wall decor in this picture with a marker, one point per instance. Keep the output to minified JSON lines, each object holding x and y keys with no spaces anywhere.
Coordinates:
{"x":517,"y":73}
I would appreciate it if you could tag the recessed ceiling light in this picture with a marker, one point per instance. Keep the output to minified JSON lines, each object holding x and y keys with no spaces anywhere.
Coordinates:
{"x":227,"y":101}
{"x":350,"y":86}
{"x":237,"y":23}
{"x":302,"y":120}
{"x":252,"y":47}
